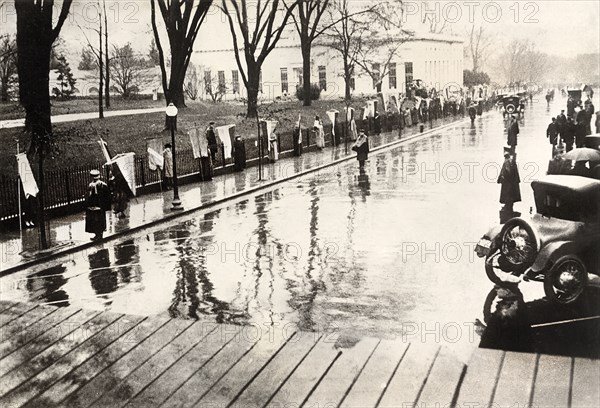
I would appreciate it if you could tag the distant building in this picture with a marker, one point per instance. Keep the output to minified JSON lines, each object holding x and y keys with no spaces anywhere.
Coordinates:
{"x":437,"y":60}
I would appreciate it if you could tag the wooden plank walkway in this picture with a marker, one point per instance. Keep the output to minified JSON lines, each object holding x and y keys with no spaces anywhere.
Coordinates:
{"x":76,"y":358}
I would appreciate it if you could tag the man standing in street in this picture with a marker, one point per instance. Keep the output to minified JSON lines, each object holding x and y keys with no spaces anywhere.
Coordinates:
{"x":561,"y":122}
{"x":97,"y":202}
{"x":598,"y":122}
{"x":552,"y":135}
{"x":581,"y":120}
{"x":509,"y":179}
{"x":513,"y":133}
{"x":569,"y":134}
{"x":211,"y":138}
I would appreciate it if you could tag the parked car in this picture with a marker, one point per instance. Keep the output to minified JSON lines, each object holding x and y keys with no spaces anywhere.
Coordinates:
{"x":558,"y":246}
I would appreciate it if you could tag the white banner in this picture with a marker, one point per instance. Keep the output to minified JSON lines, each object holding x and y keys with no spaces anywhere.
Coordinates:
{"x":155,"y":158}
{"x":126,"y":164}
{"x":224,"y":133}
{"x":331,"y":114}
{"x":30,"y":187}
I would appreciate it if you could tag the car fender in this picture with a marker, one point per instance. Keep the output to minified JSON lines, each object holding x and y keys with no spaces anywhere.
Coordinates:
{"x":551,"y":252}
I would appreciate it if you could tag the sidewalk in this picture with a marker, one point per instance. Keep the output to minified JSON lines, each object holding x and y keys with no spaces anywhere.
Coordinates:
{"x":71,"y":117}
{"x":67,"y":234}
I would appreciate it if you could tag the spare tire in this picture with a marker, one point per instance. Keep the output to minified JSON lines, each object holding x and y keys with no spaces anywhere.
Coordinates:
{"x":519,"y":244}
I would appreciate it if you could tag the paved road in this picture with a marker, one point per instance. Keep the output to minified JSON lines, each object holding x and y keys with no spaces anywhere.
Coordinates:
{"x":387,"y":252}
{"x":71,"y":117}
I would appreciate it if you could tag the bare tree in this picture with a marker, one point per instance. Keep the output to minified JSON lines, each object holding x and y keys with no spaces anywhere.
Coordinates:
{"x":191,"y":83}
{"x":512,"y":60}
{"x":347,"y":37}
{"x":378,"y":50}
{"x":264,"y":27}
{"x":214,"y":87}
{"x":478,"y":47}
{"x":182,"y":23}
{"x":107,"y":62}
{"x":127,"y":70}
{"x":35,"y":36}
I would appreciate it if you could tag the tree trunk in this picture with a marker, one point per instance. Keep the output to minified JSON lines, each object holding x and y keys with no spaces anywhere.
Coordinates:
{"x":41,"y":219}
{"x":347,"y":79}
{"x":101,"y":74}
{"x":4,"y":96}
{"x":252,"y":90}
{"x":306,"y":48}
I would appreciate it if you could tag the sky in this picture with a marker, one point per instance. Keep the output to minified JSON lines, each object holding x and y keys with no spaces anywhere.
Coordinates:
{"x":564,"y":28}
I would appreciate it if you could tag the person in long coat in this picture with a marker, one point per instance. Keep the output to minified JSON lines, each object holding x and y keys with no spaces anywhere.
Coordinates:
{"x":211,"y":139}
{"x":580,"y":133}
{"x":589,"y":113}
{"x":168,"y":166}
{"x":598,"y":122}
{"x":569,"y":134}
{"x":513,"y":134}
{"x":97,"y":202}
{"x":297,"y":138}
{"x":561,"y":122}
{"x":319,"y":132}
{"x":119,"y":196}
{"x":509,"y":179}
{"x":239,"y":154}
{"x":361,"y":147}
{"x":552,"y":134}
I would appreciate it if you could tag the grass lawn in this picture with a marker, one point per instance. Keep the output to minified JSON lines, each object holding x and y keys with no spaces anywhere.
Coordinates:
{"x":77,"y":142}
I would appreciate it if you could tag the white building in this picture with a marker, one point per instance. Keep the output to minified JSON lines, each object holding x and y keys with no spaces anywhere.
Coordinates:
{"x":437,"y":60}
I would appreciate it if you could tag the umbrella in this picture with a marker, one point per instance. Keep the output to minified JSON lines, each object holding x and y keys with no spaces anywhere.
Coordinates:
{"x":583,"y":154}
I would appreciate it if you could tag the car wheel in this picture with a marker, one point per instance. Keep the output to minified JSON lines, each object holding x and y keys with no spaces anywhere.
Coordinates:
{"x":519,"y":245}
{"x":566,"y":280}
{"x":499,"y":271}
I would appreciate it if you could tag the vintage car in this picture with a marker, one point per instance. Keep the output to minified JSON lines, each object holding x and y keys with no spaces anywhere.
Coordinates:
{"x":559,"y":245}
{"x":511,"y":104}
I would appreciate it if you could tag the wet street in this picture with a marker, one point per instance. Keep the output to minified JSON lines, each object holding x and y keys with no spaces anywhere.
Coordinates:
{"x":384,"y":253}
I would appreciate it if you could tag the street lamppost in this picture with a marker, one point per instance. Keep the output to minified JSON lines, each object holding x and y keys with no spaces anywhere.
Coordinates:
{"x":171,"y":113}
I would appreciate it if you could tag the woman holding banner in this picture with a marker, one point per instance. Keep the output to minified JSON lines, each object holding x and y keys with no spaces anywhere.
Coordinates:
{"x":319,"y":132}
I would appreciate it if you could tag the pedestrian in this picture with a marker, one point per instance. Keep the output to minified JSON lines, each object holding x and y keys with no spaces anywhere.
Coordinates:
{"x":297,"y":139}
{"x":589,"y":113}
{"x":239,"y":154}
{"x":569,"y":134}
{"x":211,"y":138}
{"x":273,"y":148}
{"x":29,"y":207}
{"x":598,"y":122}
{"x":407,"y":117}
{"x":552,"y":134}
{"x":168,"y":166}
{"x":118,"y":195}
{"x":570,"y":107}
{"x":513,"y":133}
{"x":509,"y":179}
{"x":561,"y":124}
{"x":580,"y":127}
{"x":361,"y":147}
{"x":319,"y":132}
{"x":97,"y":203}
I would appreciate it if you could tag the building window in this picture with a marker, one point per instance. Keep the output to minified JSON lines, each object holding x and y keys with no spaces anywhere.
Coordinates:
{"x":298,"y":75}
{"x":408,"y":69}
{"x":322,"y":78}
{"x":376,"y":74}
{"x":392,"y":74}
{"x":284,"y":80}
{"x":207,"y":82}
{"x":235,"y":81}
{"x":221,"y":76}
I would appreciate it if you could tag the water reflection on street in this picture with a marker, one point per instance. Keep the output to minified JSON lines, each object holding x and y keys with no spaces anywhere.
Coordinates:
{"x":385,"y":252}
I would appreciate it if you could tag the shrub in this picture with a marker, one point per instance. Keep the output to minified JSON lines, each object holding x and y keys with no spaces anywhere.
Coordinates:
{"x":315,"y":92}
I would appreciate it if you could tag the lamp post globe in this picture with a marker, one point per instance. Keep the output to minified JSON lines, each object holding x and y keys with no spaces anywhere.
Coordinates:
{"x":171,"y":112}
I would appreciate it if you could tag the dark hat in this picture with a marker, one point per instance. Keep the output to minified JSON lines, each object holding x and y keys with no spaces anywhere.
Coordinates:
{"x":211,"y":123}
{"x":95,"y":173}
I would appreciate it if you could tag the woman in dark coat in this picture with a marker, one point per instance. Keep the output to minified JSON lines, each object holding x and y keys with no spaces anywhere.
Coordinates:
{"x":510,"y":192}
{"x":239,"y":154}
{"x":361,"y":147}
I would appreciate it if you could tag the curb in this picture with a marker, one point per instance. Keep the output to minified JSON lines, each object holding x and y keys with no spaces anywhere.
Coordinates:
{"x":250,"y":191}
